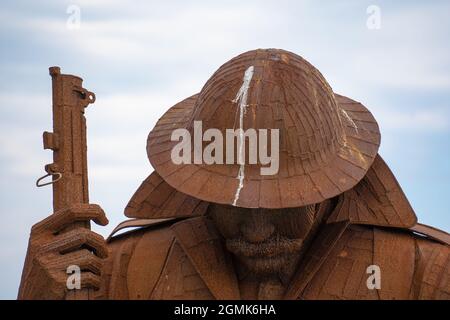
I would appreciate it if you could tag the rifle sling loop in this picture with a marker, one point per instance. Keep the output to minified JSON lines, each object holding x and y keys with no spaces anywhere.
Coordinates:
{"x":58,"y":174}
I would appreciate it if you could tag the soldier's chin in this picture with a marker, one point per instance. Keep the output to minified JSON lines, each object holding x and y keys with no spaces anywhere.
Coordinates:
{"x":263,"y":266}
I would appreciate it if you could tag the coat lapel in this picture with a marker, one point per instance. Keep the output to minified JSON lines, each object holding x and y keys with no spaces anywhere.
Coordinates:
{"x":202,"y":244}
{"x":376,"y":200}
{"x":317,"y":253}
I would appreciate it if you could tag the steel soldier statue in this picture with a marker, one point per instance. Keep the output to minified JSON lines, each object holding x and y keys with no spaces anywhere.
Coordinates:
{"x":332,"y":223}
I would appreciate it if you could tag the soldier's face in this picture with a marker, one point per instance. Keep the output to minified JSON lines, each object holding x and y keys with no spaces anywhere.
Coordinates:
{"x":265,"y":241}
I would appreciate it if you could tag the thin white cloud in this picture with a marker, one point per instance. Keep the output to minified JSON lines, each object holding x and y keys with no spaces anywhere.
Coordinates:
{"x":412,"y":36}
{"x":429,"y":120}
{"x":187,"y":31}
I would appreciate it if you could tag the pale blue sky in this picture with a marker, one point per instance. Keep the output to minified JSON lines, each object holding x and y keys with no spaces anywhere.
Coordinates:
{"x":141,"y":57}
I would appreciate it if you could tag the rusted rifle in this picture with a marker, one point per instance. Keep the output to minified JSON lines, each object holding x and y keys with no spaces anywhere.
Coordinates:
{"x":68,"y":142}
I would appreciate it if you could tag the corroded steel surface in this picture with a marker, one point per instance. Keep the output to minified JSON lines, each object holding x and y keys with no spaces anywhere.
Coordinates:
{"x":157,"y":199}
{"x":327,"y":141}
{"x":64,"y":238}
{"x":376,"y":200}
{"x":309,"y":232}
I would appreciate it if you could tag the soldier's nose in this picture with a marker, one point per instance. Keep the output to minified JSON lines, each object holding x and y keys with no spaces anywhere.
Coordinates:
{"x":257,"y":228}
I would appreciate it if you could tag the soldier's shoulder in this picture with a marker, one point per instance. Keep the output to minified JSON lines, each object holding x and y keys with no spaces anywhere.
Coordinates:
{"x":432,"y":276}
{"x":423,"y":234}
{"x":415,"y":262}
{"x":138,"y":249}
{"x":135,"y":228}
{"x":431,"y":234}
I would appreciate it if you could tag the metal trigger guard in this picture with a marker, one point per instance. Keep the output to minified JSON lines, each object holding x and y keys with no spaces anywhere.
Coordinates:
{"x":58,"y":174}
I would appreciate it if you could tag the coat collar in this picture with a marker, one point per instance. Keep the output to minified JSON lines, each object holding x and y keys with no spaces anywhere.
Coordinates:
{"x":314,"y":257}
{"x":202,"y":244}
{"x":377,"y":200}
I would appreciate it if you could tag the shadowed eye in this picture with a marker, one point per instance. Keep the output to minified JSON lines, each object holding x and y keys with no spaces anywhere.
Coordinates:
{"x":293,"y":222}
{"x":227,"y":219}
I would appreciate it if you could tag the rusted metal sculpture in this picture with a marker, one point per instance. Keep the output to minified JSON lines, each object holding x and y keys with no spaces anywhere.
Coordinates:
{"x":331,"y":215}
{"x":70,"y":188}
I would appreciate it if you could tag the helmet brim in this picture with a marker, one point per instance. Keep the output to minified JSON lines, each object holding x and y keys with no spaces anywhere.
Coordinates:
{"x":288,"y":188}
